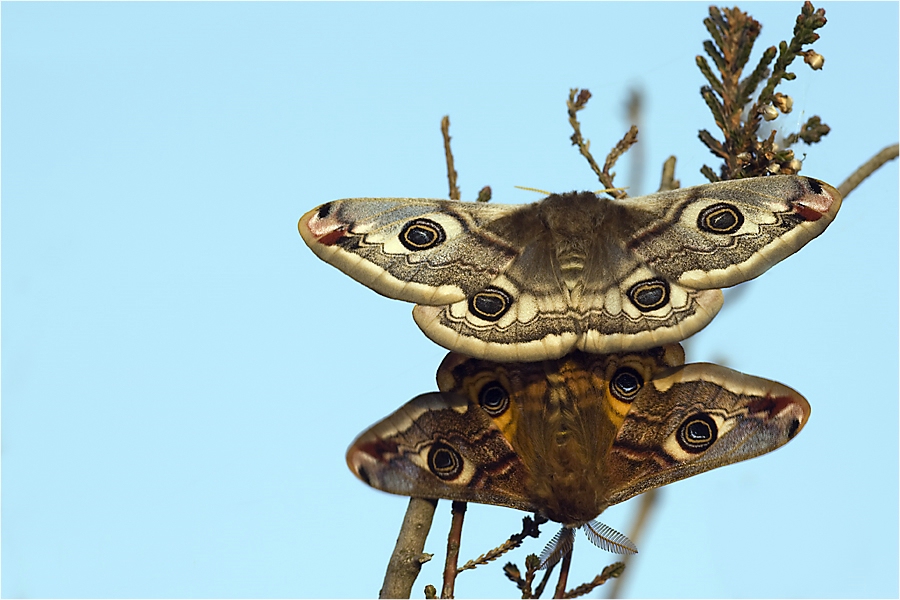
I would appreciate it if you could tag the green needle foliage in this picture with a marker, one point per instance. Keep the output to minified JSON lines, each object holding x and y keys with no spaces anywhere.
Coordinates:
{"x":730,"y":98}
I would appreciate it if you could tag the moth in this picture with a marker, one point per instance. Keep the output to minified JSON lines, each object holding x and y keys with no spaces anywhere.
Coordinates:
{"x":568,"y":438}
{"x":574,"y":271}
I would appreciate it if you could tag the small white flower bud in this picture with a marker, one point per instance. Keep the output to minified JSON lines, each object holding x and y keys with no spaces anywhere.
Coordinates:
{"x":769,"y":112}
{"x":783,"y":102}
{"x":814,"y":59}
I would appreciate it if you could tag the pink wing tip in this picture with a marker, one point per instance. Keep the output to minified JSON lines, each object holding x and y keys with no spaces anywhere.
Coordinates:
{"x":323,"y":226}
{"x":818,"y":202}
{"x":778,"y":406}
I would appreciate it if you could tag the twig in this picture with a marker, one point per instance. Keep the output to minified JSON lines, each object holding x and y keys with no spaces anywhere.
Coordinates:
{"x":530,"y":528}
{"x":668,"y":181}
{"x":453,"y":542}
{"x":407,"y":558}
{"x":544,"y":580}
{"x":810,"y":133}
{"x":563,"y":575}
{"x":574,"y":104}
{"x":874,"y":163}
{"x":578,"y":99}
{"x":451,"y":172}
{"x":492,"y":554}
{"x":622,"y":146}
{"x":729,"y":98}
{"x":532,"y":564}
{"x":635,"y":117}
{"x":612,"y":571}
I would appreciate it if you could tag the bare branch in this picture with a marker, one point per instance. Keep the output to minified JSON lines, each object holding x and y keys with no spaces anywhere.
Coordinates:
{"x":451,"y":172}
{"x":563,"y":576}
{"x":627,"y":141}
{"x":584,"y":146}
{"x":408,"y":556}
{"x":668,"y":181}
{"x":636,"y":117}
{"x":873,"y":164}
{"x":453,"y":541}
{"x":577,"y":101}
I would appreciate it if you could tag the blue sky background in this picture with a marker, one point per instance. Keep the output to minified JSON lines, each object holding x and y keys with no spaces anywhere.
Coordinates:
{"x":181,"y":376}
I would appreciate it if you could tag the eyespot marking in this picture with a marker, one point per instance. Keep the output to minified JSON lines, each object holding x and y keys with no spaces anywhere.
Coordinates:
{"x":625,"y":384}
{"x":697,"y":433}
{"x":721,"y":218}
{"x":490,"y":304}
{"x":422,"y":234}
{"x":649,"y":295}
{"x":445,"y":462}
{"x":493,"y":398}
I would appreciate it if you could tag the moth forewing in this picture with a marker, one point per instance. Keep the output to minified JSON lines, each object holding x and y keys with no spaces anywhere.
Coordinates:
{"x":534,"y":281}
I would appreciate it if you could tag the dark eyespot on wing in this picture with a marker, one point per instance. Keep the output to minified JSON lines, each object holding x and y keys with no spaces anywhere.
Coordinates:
{"x":720,"y":218}
{"x":625,"y":384}
{"x":422,"y":234}
{"x":493,"y":398}
{"x":490,"y":304}
{"x":697,"y":433}
{"x":649,"y":295}
{"x":444,"y":461}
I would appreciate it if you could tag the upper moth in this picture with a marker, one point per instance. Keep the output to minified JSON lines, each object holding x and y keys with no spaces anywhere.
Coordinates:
{"x":534,"y":281}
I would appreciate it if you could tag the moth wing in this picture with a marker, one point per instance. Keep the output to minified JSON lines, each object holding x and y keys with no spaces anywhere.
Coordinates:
{"x":439,"y":445}
{"x":704,"y":416}
{"x":561,"y":417}
{"x":721,"y":234}
{"x":522,"y":315}
{"x":423,"y":251}
{"x":627,"y":306}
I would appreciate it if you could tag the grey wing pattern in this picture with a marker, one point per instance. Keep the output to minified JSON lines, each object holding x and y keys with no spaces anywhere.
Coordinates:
{"x":424,"y":251}
{"x":721,"y":234}
{"x":524,"y":314}
{"x":626,"y":305}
